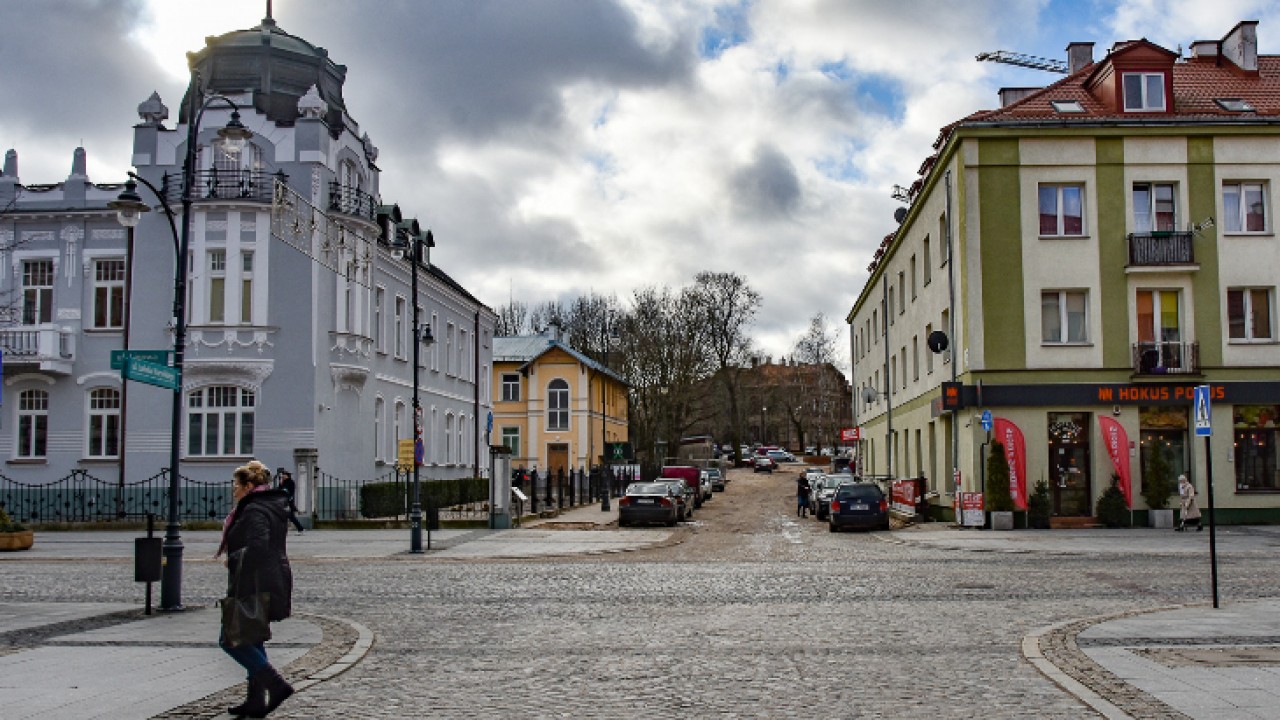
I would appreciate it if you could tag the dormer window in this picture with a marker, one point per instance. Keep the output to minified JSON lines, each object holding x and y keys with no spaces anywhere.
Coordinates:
{"x":1144,"y":92}
{"x":1234,"y":105}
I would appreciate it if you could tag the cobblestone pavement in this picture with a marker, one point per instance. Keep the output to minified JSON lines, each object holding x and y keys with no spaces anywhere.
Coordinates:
{"x":748,"y":612}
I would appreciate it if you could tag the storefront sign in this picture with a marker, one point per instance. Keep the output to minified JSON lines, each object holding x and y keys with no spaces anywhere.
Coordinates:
{"x":971,"y":514}
{"x":850,"y":434}
{"x":1015,"y":452}
{"x":903,"y":496}
{"x":1119,"y":394}
{"x":1116,"y":441}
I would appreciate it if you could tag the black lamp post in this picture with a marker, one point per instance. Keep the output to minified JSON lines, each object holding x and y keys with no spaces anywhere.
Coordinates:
{"x":408,"y":236}
{"x":610,"y":336}
{"x":129,"y":208}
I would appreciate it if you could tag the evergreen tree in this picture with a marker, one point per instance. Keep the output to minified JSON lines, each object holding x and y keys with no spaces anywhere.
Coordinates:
{"x":998,"y":498}
{"x":1112,"y":511}
{"x":1157,"y":477}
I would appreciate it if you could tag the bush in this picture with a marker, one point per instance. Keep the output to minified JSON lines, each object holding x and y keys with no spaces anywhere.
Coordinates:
{"x":1112,"y":511}
{"x":8,"y":524}
{"x":388,"y":499}
{"x":1157,"y":478}
{"x":1039,"y":506}
{"x":998,"y":497}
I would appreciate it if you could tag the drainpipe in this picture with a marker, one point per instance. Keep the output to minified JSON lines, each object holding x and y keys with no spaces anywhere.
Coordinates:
{"x":888,"y":383}
{"x":955,"y":344}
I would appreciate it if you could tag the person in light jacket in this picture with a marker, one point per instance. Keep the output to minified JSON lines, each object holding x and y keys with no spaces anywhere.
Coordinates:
{"x":253,"y":540}
{"x":1190,"y":510}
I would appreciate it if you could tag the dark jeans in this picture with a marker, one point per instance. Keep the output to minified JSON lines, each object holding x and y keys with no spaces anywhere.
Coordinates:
{"x":293,"y":518}
{"x":253,"y":658}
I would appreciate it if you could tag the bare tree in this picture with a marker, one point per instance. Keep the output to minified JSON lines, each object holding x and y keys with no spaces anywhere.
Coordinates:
{"x":814,"y":353}
{"x":728,"y":306}
{"x":513,"y":319}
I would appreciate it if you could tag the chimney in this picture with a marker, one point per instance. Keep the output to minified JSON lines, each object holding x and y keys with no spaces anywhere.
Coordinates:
{"x":1240,"y":46}
{"x":1079,"y":56}
{"x":1204,"y":49}
{"x":1009,"y":96}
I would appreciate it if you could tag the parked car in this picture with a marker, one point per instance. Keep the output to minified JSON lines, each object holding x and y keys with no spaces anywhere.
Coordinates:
{"x":718,"y":479}
{"x":858,"y":504}
{"x":704,"y":485}
{"x":681,"y":495}
{"x":646,"y":503}
{"x":780,"y":456}
{"x":690,"y":475}
{"x":763,"y":463}
{"x":824,"y":491}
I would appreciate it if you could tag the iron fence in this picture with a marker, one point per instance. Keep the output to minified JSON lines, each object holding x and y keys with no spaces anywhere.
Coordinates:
{"x":81,"y":497}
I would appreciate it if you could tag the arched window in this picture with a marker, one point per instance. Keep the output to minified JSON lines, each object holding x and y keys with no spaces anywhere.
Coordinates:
{"x":104,"y":423}
{"x":33,"y":423}
{"x":448,"y":439}
{"x":379,"y":442}
{"x":220,"y":421}
{"x":558,"y":405}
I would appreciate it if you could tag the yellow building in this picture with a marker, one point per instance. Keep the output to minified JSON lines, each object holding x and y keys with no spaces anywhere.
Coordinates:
{"x":554,"y":407}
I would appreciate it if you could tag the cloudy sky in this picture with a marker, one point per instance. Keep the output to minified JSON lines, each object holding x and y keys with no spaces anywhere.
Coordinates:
{"x":562,"y":146}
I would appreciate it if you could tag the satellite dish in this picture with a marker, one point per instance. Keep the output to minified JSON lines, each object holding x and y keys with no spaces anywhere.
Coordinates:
{"x":937,"y":341}
{"x":900,"y":214}
{"x":868,"y":395}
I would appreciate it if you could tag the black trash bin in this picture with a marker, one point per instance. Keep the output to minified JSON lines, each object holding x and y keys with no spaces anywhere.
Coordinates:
{"x":433,"y":518}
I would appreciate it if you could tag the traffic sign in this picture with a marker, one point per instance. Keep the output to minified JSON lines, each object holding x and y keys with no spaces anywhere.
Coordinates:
{"x":150,"y":373}
{"x":987,"y":421}
{"x":1201,"y":410}
{"x":159,"y":357}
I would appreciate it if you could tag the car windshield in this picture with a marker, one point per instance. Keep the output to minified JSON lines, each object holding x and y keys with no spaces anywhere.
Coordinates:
{"x":648,"y":489}
{"x":859,"y":492}
{"x":833,"y":482}
{"x":713,"y":473}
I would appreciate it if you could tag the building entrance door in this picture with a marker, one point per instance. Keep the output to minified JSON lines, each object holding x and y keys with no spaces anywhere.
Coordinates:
{"x":1069,"y":464}
{"x":557,"y":459}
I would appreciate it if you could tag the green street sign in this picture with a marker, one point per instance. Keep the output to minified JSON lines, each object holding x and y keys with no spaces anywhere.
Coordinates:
{"x":151,"y":373}
{"x":159,"y":357}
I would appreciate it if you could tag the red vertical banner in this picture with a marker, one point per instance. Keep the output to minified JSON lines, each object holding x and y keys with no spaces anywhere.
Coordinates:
{"x":1117,"y":442}
{"x":1015,"y":452}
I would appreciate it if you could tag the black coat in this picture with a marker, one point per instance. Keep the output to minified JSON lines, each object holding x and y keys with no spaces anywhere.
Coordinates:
{"x":256,"y":538}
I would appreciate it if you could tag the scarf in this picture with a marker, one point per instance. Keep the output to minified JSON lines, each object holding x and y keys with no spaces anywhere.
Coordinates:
{"x":231,"y":516}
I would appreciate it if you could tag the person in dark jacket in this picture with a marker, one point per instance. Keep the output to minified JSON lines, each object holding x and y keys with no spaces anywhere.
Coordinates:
{"x":286,"y":484}
{"x":253,"y":540}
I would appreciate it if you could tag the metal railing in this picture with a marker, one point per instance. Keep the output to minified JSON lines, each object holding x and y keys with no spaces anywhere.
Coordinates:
{"x":215,"y":184}
{"x":1161,"y":248}
{"x":351,"y":201}
{"x":1166,"y":358}
{"x":81,"y":497}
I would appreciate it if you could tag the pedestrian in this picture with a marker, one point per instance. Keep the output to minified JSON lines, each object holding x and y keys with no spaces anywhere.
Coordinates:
{"x":253,"y":540}
{"x":922,"y":502}
{"x":287,"y":485}
{"x":802,"y":495}
{"x":1190,"y":510}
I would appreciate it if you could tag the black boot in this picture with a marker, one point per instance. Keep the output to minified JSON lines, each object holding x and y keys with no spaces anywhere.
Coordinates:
{"x":276,"y":688}
{"x":255,"y":701}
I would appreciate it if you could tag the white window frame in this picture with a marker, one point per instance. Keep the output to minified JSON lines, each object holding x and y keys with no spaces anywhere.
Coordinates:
{"x":33,"y":416}
{"x":102,"y":405}
{"x":450,"y":339}
{"x":243,"y":409}
{"x":38,"y":297}
{"x":400,"y":327}
{"x":1144,"y":86}
{"x":1248,"y":306}
{"x":928,"y":354}
{"x":216,"y":312}
{"x":1149,"y":212}
{"x":399,"y":418}
{"x":448,"y":439}
{"x":379,"y":429}
{"x":507,"y":434}
{"x":113,"y":289}
{"x":512,"y":381}
{"x":246,"y":287}
{"x":928,"y":262}
{"x":1059,"y":205}
{"x":1235,"y":223}
{"x":379,"y":332}
{"x":435,"y":355}
{"x":1064,"y":329}
{"x":557,"y":414}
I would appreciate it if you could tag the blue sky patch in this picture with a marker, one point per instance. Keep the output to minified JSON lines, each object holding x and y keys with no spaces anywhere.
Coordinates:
{"x":732,"y":27}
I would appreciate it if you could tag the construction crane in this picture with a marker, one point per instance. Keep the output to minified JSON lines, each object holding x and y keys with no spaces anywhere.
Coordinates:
{"x":1027,"y":61}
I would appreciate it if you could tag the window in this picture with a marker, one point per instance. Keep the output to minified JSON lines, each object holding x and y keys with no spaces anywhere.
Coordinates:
{"x":379,"y":299}
{"x":875,"y":322}
{"x":399,"y":327}
{"x":1067,"y":106}
{"x":903,"y":355}
{"x":902,"y":292}
{"x":1235,"y":105}
{"x":1154,"y":208}
{"x":1256,"y":447}
{"x":928,"y":355}
{"x":379,"y":431}
{"x":928,"y":263}
{"x":400,"y":421}
{"x":33,"y":423}
{"x":913,"y":277}
{"x":1063,"y":317}
{"x":1244,"y":207}
{"x":511,"y":438}
{"x":944,"y":238}
{"x":893,"y":371}
{"x":1061,"y":210}
{"x":448,"y":439}
{"x":1159,"y":331}
{"x":450,"y":339}
{"x":1164,"y":433}
{"x":558,"y":405}
{"x":220,"y":421}
{"x":37,"y":292}
{"x":510,"y":387}
{"x":915,"y":357}
{"x":435,"y":328}
{"x":246,"y":288}
{"x":104,"y":423}
{"x":462,"y":355}
{"x":217,"y":285}
{"x":890,"y":312}
{"x":1143,"y":92}
{"x":945,"y":326}
{"x":1249,"y":314}
{"x":108,"y":294}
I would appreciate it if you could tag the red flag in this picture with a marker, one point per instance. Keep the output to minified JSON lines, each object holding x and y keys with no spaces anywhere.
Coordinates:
{"x":1117,"y":442}
{"x":1015,"y":452}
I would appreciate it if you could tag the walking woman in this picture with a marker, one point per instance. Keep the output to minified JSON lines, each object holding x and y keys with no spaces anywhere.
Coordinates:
{"x":253,"y":539}
{"x":1190,"y":510}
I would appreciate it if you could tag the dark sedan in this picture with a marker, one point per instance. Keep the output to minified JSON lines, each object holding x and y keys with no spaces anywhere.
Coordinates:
{"x":647,"y":503}
{"x":858,"y":505}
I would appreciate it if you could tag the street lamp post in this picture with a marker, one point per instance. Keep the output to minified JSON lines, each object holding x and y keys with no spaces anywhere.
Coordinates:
{"x":129,"y":208}
{"x":407,"y":236}
{"x":605,"y":481}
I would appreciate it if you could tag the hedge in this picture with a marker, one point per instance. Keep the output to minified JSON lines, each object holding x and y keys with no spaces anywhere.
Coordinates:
{"x":387,"y":499}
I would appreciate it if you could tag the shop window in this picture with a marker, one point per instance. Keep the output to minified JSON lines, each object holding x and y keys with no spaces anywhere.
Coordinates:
{"x":1164,"y":430}
{"x":1255,"y":447}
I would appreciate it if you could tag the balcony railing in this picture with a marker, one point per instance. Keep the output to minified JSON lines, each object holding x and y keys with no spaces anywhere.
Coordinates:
{"x":1166,"y":358}
{"x":47,"y":347}
{"x":215,"y":184}
{"x":351,"y":201}
{"x":1160,"y":248}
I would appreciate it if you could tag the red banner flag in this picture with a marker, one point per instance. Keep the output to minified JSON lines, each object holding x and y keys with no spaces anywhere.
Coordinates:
{"x":1117,"y":442}
{"x":1015,"y":452}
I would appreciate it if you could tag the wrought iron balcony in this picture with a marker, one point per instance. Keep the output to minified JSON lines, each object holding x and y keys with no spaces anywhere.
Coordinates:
{"x":44,"y":347}
{"x":351,"y":201}
{"x":1166,"y":358}
{"x":1155,"y":249}
{"x":214,"y":184}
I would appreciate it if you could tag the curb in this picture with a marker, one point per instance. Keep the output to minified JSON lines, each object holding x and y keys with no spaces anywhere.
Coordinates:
{"x":361,"y":647}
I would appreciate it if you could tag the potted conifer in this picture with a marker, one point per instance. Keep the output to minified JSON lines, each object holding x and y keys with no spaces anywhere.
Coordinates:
{"x":1157,"y":486}
{"x":1112,"y":511}
{"x":1039,"y":507}
{"x":13,"y":536}
{"x":997,"y":497}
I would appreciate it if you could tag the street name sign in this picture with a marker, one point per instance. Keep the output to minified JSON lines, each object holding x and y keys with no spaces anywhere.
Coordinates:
{"x":150,"y":373}
{"x":159,"y":357}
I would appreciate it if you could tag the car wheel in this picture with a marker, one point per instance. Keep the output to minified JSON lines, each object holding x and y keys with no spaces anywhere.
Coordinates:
{"x":671,"y":522}
{"x":622,"y":523}
{"x":831,"y":527}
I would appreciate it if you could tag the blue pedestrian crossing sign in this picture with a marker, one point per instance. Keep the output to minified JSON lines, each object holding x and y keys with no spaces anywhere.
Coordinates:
{"x":987,"y":422}
{"x":1200,"y":411}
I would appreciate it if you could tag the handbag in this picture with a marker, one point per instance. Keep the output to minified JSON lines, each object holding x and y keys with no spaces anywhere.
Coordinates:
{"x":244,"y":619}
